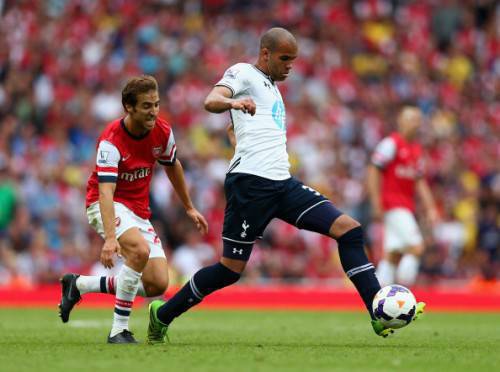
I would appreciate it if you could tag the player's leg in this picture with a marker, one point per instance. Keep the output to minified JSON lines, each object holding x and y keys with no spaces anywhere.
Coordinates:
{"x":393,"y":246}
{"x":135,"y":250}
{"x":308,"y":209}
{"x":245,"y":218}
{"x":404,"y":236}
{"x":74,"y":285}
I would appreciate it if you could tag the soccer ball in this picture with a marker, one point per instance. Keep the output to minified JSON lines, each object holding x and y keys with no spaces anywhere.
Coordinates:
{"x":394,"y":305}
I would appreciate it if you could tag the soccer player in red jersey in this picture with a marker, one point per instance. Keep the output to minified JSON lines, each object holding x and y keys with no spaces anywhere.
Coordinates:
{"x":394,"y":177}
{"x":117,"y":205}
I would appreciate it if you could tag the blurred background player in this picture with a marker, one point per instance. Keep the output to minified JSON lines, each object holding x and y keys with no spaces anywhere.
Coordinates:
{"x":394,"y":177}
{"x":118,"y":206}
{"x":259,"y":186}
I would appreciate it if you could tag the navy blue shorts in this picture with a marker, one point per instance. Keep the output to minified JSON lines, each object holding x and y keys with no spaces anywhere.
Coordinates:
{"x":253,"y":201}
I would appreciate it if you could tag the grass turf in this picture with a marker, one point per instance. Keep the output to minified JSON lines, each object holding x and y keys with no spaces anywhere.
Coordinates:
{"x":35,"y":339}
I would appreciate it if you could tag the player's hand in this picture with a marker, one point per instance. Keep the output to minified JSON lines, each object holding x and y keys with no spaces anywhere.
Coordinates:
{"x":198,"y":219}
{"x":247,"y":105}
{"x":110,"y":247}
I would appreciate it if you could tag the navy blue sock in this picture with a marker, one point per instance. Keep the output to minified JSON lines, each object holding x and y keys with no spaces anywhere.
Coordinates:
{"x":357,"y":267}
{"x":204,"y":282}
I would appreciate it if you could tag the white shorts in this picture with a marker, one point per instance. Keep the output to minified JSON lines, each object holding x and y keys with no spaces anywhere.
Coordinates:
{"x":400,"y":230}
{"x":124,"y":220}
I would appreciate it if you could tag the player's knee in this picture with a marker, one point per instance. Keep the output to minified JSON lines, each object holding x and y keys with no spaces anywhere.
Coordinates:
{"x":416,"y":250}
{"x":238,"y":266}
{"x":351,"y":237}
{"x":139,"y":254}
{"x":343,"y":225}
{"x":157,"y":288}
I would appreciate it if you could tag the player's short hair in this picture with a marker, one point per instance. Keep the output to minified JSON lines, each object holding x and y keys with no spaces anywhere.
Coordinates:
{"x":135,"y":86}
{"x":272,"y":37}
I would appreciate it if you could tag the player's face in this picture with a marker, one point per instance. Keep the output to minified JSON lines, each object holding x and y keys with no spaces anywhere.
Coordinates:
{"x":415,"y":122}
{"x":145,"y":112}
{"x":279,"y":62}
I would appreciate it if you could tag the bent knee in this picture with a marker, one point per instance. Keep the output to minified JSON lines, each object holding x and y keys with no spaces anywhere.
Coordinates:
{"x":139,"y":253}
{"x":342,"y":225}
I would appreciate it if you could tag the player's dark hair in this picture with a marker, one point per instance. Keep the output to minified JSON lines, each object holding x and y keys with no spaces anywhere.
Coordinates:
{"x":273,"y":37}
{"x":135,"y":86}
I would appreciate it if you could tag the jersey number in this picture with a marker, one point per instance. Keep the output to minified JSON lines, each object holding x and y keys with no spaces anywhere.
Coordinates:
{"x":311,"y":190}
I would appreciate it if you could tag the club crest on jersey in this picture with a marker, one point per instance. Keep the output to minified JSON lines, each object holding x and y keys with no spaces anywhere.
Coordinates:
{"x":135,"y":175}
{"x":156,"y":151}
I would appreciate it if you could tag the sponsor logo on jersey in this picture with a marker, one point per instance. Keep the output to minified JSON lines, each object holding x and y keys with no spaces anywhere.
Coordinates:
{"x":407,"y":172}
{"x":135,"y":175}
{"x":279,"y":114}
{"x":239,"y":251}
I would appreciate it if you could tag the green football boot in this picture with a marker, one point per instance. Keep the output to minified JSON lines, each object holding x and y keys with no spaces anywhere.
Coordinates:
{"x":419,"y":311}
{"x":380,"y":329}
{"x":157,"y":331}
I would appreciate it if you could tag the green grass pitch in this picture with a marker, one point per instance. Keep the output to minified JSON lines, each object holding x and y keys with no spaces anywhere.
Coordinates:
{"x":209,"y":340}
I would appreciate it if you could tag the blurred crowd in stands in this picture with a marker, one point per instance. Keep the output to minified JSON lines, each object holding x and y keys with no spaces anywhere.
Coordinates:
{"x":63,"y":64}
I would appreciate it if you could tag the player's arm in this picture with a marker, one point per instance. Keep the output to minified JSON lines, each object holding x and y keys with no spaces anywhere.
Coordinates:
{"x":384,"y":153}
{"x":175,"y":174}
{"x":219,"y":100}
{"x":425,"y":195}
{"x":373,"y":187}
{"x":107,"y":161}
{"x":231,"y":135}
{"x":106,"y":206}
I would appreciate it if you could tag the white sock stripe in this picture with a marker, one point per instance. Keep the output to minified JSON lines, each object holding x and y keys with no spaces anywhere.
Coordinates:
{"x":195,"y":290}
{"x":360,"y":269}
{"x":123,"y":307}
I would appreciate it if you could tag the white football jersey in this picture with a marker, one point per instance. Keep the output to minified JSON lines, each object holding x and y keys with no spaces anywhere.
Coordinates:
{"x":260,"y":139}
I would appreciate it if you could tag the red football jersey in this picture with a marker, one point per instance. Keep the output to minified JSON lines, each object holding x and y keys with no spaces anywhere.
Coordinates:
{"x":401,"y":164}
{"x":128,"y":160}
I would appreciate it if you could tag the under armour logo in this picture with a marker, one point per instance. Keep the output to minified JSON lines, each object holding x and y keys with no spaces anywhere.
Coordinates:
{"x":245,"y":227}
{"x":267,"y":85}
{"x":239,"y":251}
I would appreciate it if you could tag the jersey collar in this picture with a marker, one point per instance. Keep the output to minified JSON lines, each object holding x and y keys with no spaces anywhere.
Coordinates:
{"x":263,"y":73}
{"x":122,"y":123}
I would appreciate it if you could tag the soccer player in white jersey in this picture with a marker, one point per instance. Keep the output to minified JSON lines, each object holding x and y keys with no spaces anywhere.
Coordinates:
{"x":118,"y":206}
{"x":259,"y":187}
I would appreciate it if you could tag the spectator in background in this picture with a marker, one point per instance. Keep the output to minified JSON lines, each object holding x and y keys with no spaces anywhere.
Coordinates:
{"x":360,"y":60}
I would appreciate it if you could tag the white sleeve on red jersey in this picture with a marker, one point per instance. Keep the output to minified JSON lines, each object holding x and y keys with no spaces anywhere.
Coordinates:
{"x":235,"y":79}
{"x":169,"y":155}
{"x":384,"y":153}
{"x":107,"y":160}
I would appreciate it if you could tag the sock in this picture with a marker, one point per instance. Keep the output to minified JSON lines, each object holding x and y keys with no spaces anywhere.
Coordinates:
{"x":204,"y":282}
{"x":126,"y":290}
{"x":102,"y":284}
{"x":408,"y":270}
{"x":386,"y":272}
{"x":357,"y":267}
